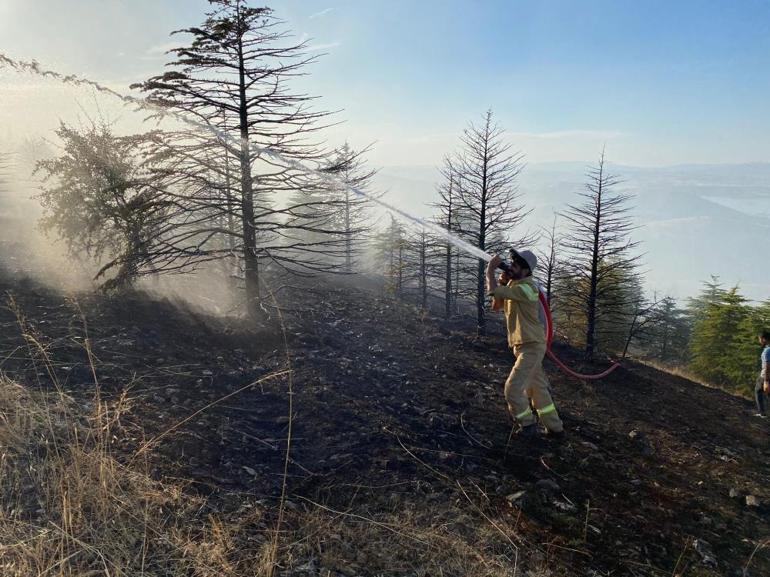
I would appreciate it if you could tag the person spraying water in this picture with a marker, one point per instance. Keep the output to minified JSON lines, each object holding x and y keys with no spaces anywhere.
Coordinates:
{"x":527,"y":382}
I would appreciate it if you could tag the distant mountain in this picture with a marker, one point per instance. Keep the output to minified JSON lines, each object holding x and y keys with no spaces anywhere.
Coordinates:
{"x":695,"y":220}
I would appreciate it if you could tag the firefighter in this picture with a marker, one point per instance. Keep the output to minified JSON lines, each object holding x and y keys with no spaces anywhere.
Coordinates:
{"x":526,"y":337}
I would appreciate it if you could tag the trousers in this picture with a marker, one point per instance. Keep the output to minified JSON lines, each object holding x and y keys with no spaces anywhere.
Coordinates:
{"x":759,"y":395}
{"x":527,"y":382}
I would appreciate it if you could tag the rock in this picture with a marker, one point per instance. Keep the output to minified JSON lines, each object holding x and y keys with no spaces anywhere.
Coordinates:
{"x":704,"y":550}
{"x":567,"y":507}
{"x":513,"y":498}
{"x":548,"y":485}
{"x":752,"y":501}
{"x":734,"y":493}
{"x":308,"y":568}
{"x":589,"y":445}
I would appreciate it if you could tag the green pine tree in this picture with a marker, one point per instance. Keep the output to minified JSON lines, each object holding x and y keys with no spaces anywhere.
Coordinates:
{"x":714,"y":338}
{"x":743,"y":365}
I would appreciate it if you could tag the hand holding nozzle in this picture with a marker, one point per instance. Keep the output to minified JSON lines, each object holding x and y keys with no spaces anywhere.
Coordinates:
{"x":491,"y":266}
{"x":494,"y":263}
{"x":498,"y":262}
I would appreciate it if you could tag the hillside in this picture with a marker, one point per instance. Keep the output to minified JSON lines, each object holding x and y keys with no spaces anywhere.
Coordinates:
{"x":400,"y":460}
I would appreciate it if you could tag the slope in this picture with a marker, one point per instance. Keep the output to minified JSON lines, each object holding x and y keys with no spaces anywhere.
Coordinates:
{"x":401,"y":460}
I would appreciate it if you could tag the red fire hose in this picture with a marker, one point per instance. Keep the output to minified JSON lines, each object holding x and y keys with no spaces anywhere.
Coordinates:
{"x":554,"y":358}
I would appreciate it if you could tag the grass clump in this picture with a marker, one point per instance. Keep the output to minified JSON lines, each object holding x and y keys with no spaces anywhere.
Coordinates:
{"x":69,"y":507}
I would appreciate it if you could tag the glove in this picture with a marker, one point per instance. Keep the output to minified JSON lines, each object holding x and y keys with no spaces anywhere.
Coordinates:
{"x":497,"y":303}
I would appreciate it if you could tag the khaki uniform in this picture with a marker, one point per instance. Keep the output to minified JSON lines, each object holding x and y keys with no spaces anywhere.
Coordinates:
{"x":526,"y":337}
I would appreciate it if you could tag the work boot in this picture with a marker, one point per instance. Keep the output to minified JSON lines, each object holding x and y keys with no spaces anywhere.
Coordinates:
{"x":556,"y":436}
{"x":529,"y":432}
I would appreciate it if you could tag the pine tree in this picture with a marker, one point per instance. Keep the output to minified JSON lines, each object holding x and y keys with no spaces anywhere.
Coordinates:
{"x":601,"y":257}
{"x":390,"y":256}
{"x":669,"y":333}
{"x":715,"y":336}
{"x":621,"y":309}
{"x":712,"y":293}
{"x":233,"y":76}
{"x":490,"y":203}
{"x":743,"y":364}
{"x":100,"y":196}
{"x":551,"y":267}
{"x":351,"y":213}
{"x":447,"y":218}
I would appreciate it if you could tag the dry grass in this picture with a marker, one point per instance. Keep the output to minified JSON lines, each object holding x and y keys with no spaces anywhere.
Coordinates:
{"x":67,"y":507}
{"x":70,"y":507}
{"x":408,"y":540}
{"x":682,"y":372}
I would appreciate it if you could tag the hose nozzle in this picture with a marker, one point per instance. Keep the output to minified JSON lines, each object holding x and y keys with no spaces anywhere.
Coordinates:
{"x":505,"y":267}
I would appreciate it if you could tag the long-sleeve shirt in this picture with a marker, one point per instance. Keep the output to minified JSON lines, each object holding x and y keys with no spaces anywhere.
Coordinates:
{"x":522,"y":311}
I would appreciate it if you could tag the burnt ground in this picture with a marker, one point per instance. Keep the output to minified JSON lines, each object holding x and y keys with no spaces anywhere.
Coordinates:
{"x":398,"y":415}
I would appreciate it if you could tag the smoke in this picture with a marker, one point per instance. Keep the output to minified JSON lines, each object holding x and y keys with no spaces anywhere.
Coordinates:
{"x":35,"y":68}
{"x":47,"y":258}
{"x":25,"y":250}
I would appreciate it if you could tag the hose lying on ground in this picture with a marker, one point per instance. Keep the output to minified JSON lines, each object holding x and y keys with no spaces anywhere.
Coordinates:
{"x":554,"y":358}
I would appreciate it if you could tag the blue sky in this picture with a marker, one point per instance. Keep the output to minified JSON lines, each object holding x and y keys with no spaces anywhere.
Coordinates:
{"x":661,"y":82}
{"x":658,"y":82}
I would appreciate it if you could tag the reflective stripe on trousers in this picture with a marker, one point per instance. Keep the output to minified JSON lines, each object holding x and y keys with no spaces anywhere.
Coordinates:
{"x":528,"y":381}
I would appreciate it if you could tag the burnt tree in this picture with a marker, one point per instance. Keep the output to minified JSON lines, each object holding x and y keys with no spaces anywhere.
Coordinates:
{"x":488,"y":197}
{"x":602,"y":263}
{"x":233,"y":77}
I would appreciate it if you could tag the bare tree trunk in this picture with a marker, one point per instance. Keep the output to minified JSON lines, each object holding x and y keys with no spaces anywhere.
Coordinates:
{"x":591,"y":303}
{"x":448,"y":283}
{"x":348,"y":240}
{"x":250,"y":258}
{"x":631,"y":331}
{"x":551,"y":261}
{"x":480,"y":296}
{"x":456,"y":295}
{"x":230,"y":215}
{"x":448,"y":277}
{"x":423,"y":271}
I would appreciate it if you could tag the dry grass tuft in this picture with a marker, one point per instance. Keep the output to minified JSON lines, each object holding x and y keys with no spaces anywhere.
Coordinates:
{"x":408,"y":540}
{"x":69,"y":508}
{"x":682,"y":372}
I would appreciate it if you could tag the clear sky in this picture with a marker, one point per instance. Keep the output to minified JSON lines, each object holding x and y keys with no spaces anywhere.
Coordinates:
{"x":659,"y":82}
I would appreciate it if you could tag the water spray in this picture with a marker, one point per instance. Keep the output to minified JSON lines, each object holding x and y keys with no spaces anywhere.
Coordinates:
{"x":34,"y":67}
